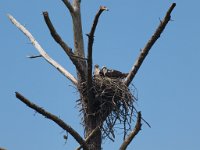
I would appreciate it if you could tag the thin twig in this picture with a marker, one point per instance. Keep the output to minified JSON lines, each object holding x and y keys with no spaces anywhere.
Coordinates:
{"x":133,"y":133}
{"x":148,"y":46}
{"x":65,"y":47}
{"x":42,"y":51}
{"x":34,"y":56}
{"x":54,"y":118}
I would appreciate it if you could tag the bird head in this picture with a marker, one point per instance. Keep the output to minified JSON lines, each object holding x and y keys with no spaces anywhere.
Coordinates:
{"x":96,"y":66}
{"x":104,"y":70}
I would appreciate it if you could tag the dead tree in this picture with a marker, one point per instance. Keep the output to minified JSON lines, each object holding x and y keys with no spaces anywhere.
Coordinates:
{"x":103,"y":100}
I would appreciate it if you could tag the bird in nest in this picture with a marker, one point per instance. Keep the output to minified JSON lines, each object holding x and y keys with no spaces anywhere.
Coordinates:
{"x":109,"y":73}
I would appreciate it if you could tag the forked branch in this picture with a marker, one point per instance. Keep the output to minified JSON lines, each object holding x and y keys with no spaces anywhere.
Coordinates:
{"x":90,"y":45}
{"x":133,"y":133}
{"x":75,"y":11}
{"x":148,"y":46}
{"x":68,"y":5}
{"x":54,"y":118}
{"x":42,"y":51}
{"x":65,"y":47}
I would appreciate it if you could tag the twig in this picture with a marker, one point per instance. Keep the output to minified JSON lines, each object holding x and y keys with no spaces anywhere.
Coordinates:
{"x":34,"y":56}
{"x":90,"y":44}
{"x":133,"y":133}
{"x":42,"y":51}
{"x":54,"y":118}
{"x":68,"y":5}
{"x":148,"y":46}
{"x":89,"y":136}
{"x":65,"y":47}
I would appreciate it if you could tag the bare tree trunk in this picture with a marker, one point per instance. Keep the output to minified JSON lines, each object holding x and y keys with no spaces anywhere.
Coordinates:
{"x":91,"y":121}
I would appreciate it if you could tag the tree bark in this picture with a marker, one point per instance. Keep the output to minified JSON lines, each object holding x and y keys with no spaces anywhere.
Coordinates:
{"x":78,"y":36}
{"x":91,"y":121}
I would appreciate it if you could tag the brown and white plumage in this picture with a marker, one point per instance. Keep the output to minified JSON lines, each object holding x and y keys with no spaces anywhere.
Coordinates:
{"x":110,"y":73}
{"x":96,"y":70}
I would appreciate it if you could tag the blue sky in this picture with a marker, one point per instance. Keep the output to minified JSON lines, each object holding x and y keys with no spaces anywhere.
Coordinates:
{"x":167,"y":83}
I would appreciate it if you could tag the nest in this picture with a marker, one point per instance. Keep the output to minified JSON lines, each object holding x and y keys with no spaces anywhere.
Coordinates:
{"x":113,"y":105}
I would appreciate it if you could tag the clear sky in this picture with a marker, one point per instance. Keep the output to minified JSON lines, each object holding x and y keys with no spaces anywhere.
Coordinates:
{"x":167,"y":83}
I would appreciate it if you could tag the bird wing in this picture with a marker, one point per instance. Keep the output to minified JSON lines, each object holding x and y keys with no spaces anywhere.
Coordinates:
{"x":115,"y":74}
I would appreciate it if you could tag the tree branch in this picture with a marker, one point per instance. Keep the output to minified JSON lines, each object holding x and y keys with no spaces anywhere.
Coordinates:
{"x":54,"y":118}
{"x":90,"y":44}
{"x":77,"y":27}
{"x":65,"y":47}
{"x":68,"y":5}
{"x":76,"y":4}
{"x":133,"y":133}
{"x":89,"y":136}
{"x":42,"y":51}
{"x":78,"y":38}
{"x":148,"y":46}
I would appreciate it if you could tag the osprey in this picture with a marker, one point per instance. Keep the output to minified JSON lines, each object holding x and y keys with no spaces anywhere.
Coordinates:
{"x":96,"y":70}
{"x":110,"y":73}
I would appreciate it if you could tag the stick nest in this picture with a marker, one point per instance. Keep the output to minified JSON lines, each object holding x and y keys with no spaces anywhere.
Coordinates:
{"x":113,"y":105}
